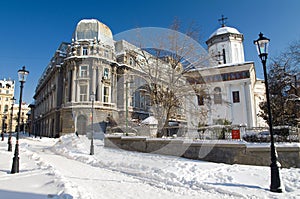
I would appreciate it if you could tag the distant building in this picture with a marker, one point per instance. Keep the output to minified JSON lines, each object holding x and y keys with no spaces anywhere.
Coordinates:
{"x":9,"y":109}
{"x":7,"y":89}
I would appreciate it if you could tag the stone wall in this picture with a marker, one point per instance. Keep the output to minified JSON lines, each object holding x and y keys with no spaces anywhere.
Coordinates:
{"x":213,"y":151}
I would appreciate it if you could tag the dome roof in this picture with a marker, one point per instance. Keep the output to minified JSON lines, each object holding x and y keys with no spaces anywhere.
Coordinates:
{"x":89,"y":29}
{"x":224,"y":30}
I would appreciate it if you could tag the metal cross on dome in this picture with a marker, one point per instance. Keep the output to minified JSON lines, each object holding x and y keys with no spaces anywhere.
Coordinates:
{"x":222,"y":20}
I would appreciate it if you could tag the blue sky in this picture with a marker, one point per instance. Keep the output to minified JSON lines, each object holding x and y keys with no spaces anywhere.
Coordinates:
{"x":32,"y":30}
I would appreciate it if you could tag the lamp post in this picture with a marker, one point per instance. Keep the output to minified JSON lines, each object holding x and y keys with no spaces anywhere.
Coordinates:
{"x":262,"y":49}
{"x":3,"y":125}
{"x":126,"y":83}
{"x":92,"y":98}
{"x":130,"y":81}
{"x":10,"y":125}
{"x":22,"y":73}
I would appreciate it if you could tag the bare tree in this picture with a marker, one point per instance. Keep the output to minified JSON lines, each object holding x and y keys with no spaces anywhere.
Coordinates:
{"x":163,"y":65}
{"x":284,"y":87}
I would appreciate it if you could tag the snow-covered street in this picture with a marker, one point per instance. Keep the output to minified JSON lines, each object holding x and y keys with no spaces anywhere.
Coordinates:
{"x":63,"y":168}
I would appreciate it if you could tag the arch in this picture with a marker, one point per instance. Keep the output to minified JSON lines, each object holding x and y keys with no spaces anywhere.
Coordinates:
{"x":131,"y":61}
{"x":217,"y":95}
{"x":81,"y":125}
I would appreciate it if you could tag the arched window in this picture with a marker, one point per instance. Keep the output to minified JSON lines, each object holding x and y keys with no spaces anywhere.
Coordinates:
{"x":131,"y":61}
{"x":217,"y":95}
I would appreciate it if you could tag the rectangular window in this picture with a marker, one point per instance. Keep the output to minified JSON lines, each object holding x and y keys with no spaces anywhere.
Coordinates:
{"x":217,"y":95}
{"x":105,"y":73}
{"x":83,"y":93}
{"x":142,"y":100}
{"x":236,"y":96}
{"x":5,"y":108}
{"x":84,"y":50}
{"x":106,"y":94}
{"x":106,"y":53}
{"x":200,"y":99}
{"x":83,"y":71}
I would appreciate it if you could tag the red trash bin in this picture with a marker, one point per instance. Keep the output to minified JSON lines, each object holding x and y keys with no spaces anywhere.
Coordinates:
{"x":235,"y":134}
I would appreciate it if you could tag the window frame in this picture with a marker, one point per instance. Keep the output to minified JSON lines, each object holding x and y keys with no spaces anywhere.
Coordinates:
{"x":85,"y":50}
{"x":83,"y":92}
{"x":83,"y":73}
{"x":217,"y":95}
{"x":236,"y":97}
{"x":106,"y":95}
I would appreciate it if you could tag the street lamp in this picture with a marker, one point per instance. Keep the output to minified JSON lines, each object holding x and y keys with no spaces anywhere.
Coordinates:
{"x":92,"y":98}
{"x":262,"y":49}
{"x":130,"y":81}
{"x":22,"y":74}
{"x":10,"y":125}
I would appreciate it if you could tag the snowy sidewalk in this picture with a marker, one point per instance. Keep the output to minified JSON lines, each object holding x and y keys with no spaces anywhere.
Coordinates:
{"x":33,"y":181}
{"x":63,"y":168}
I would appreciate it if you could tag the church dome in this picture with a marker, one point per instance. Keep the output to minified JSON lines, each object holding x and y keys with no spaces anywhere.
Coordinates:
{"x":224,"y":30}
{"x":90,"y":29}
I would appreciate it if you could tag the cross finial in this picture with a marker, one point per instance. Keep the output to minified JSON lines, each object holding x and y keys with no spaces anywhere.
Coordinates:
{"x":222,"y":20}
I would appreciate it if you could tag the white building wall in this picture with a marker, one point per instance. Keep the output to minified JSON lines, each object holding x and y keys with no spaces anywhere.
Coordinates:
{"x":242,"y":112}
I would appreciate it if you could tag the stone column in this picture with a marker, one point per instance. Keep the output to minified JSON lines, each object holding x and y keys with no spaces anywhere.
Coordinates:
{"x":93,"y":83}
{"x":74,"y":84}
{"x":248,"y":103}
{"x":230,"y":101}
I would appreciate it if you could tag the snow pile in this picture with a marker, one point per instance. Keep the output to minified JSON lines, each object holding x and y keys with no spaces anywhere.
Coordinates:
{"x":63,"y":169}
{"x":177,"y":174}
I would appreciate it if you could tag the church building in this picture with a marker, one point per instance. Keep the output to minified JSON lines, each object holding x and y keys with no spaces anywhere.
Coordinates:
{"x":232,"y":91}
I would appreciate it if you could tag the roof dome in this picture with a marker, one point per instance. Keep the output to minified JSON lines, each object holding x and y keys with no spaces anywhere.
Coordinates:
{"x":90,"y":29}
{"x":224,"y":30}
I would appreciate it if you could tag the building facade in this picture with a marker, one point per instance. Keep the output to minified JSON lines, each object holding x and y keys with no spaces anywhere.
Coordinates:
{"x":7,"y":89}
{"x":9,"y":109}
{"x":232,"y":91}
{"x":92,"y":64}
{"x":92,"y":75}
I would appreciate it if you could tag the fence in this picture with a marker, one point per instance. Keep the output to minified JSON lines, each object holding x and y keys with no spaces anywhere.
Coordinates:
{"x":216,"y":132}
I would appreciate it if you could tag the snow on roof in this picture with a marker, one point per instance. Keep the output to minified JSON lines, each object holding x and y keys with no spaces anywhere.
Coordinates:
{"x":150,"y":120}
{"x":224,"y":30}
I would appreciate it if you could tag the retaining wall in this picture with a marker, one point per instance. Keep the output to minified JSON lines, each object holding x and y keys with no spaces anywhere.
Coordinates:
{"x":234,"y":152}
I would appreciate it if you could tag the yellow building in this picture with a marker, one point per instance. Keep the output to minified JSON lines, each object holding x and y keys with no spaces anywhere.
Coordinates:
{"x":9,"y":108}
{"x":7,"y":89}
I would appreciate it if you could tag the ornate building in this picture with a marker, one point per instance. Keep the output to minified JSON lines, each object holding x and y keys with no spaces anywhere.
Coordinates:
{"x":92,"y":64}
{"x":93,"y":72}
